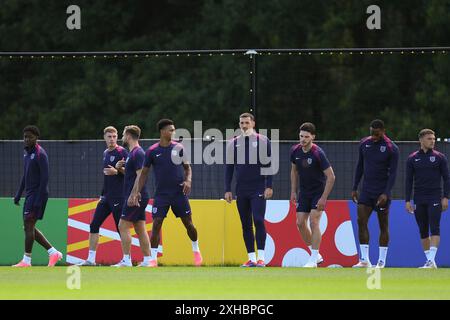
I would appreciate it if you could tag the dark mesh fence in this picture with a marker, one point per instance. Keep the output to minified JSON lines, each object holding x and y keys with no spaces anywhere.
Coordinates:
{"x":76,"y":169}
{"x":342,"y":93}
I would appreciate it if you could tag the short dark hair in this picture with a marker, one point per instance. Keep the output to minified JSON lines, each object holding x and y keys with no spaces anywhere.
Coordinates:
{"x":247,"y":115}
{"x":164,"y":123}
{"x":134,"y":131}
{"x":308,"y":127}
{"x":33,"y":129}
{"x":424,"y":132}
{"x":377,"y":124}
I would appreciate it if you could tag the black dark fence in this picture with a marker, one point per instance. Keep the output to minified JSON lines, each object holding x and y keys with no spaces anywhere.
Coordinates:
{"x":76,"y":169}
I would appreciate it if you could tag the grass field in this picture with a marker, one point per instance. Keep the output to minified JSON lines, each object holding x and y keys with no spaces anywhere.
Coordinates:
{"x":222,"y":283}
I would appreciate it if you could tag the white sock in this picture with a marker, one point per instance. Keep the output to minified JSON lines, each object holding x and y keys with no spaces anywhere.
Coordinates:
{"x":314,"y":254}
{"x":252,"y":256}
{"x":26,"y":259}
{"x":147,"y":259}
{"x":427,"y":254}
{"x":310,"y":249}
{"x":126,"y":258}
{"x":383,"y":254}
{"x":91,"y":256}
{"x":51,"y":251}
{"x":195,"y":247}
{"x":154,"y":255}
{"x":364,"y":252}
{"x":261,"y":255}
{"x":433,"y":251}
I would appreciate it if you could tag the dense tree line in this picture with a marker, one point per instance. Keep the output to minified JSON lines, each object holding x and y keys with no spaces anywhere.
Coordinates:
{"x":76,"y":98}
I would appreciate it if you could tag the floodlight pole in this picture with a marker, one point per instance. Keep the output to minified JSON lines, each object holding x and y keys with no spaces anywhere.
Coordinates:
{"x":253,"y":106}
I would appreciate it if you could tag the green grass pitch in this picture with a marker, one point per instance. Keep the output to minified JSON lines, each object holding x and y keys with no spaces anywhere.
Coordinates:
{"x":222,"y":283}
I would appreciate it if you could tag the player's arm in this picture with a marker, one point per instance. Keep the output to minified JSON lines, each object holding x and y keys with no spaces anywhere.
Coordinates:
{"x":120,"y":165}
{"x":121,"y":170}
{"x":141,"y":179}
{"x":20,"y":190}
{"x":358,"y":175}
{"x":144,"y":166}
{"x":187,"y":183}
{"x":294,"y":182}
{"x":43,"y":168}
{"x":409,"y":185}
{"x":268,"y":192}
{"x":229,"y":171}
{"x":331,"y":178}
{"x":140,"y":161}
{"x":110,"y":171}
{"x":446,"y":179}
{"x":392,"y":174}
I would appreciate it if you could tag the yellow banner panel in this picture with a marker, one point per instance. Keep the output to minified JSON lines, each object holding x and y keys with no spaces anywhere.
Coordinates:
{"x":208,"y":217}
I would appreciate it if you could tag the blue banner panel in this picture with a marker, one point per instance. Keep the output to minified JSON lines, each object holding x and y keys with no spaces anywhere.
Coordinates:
{"x":405,"y":249}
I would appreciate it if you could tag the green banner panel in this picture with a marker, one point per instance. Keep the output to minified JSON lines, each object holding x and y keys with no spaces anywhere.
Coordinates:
{"x":54,"y":227}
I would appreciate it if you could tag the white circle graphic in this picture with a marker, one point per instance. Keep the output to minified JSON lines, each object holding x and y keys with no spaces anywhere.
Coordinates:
{"x":345,"y":240}
{"x":269,"y":249}
{"x":276,"y":210}
{"x":296,"y":257}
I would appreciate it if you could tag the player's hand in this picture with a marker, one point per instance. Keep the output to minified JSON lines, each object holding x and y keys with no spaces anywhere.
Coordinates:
{"x":293,"y":196}
{"x":321,"y":204}
{"x":444,"y":203}
{"x":382,"y":201}
{"x":409,"y":207}
{"x":110,"y":171}
{"x":355,"y":196}
{"x":16,"y":201}
{"x":228,"y":197}
{"x":268,"y":193}
{"x":120,"y":164}
{"x":133,"y":199}
{"x":187,"y":185}
{"x":136,"y":199}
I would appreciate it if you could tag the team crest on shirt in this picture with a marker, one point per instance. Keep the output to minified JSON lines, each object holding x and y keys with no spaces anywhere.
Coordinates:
{"x":255,"y":144}
{"x":432,"y":158}
{"x":32,"y":156}
{"x":111,"y":158}
{"x":155,"y":210}
{"x":383,"y":148}
{"x":309,"y":161}
{"x":174,"y":152}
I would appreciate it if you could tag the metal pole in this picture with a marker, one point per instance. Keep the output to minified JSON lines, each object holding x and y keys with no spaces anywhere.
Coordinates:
{"x":253,"y":103}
